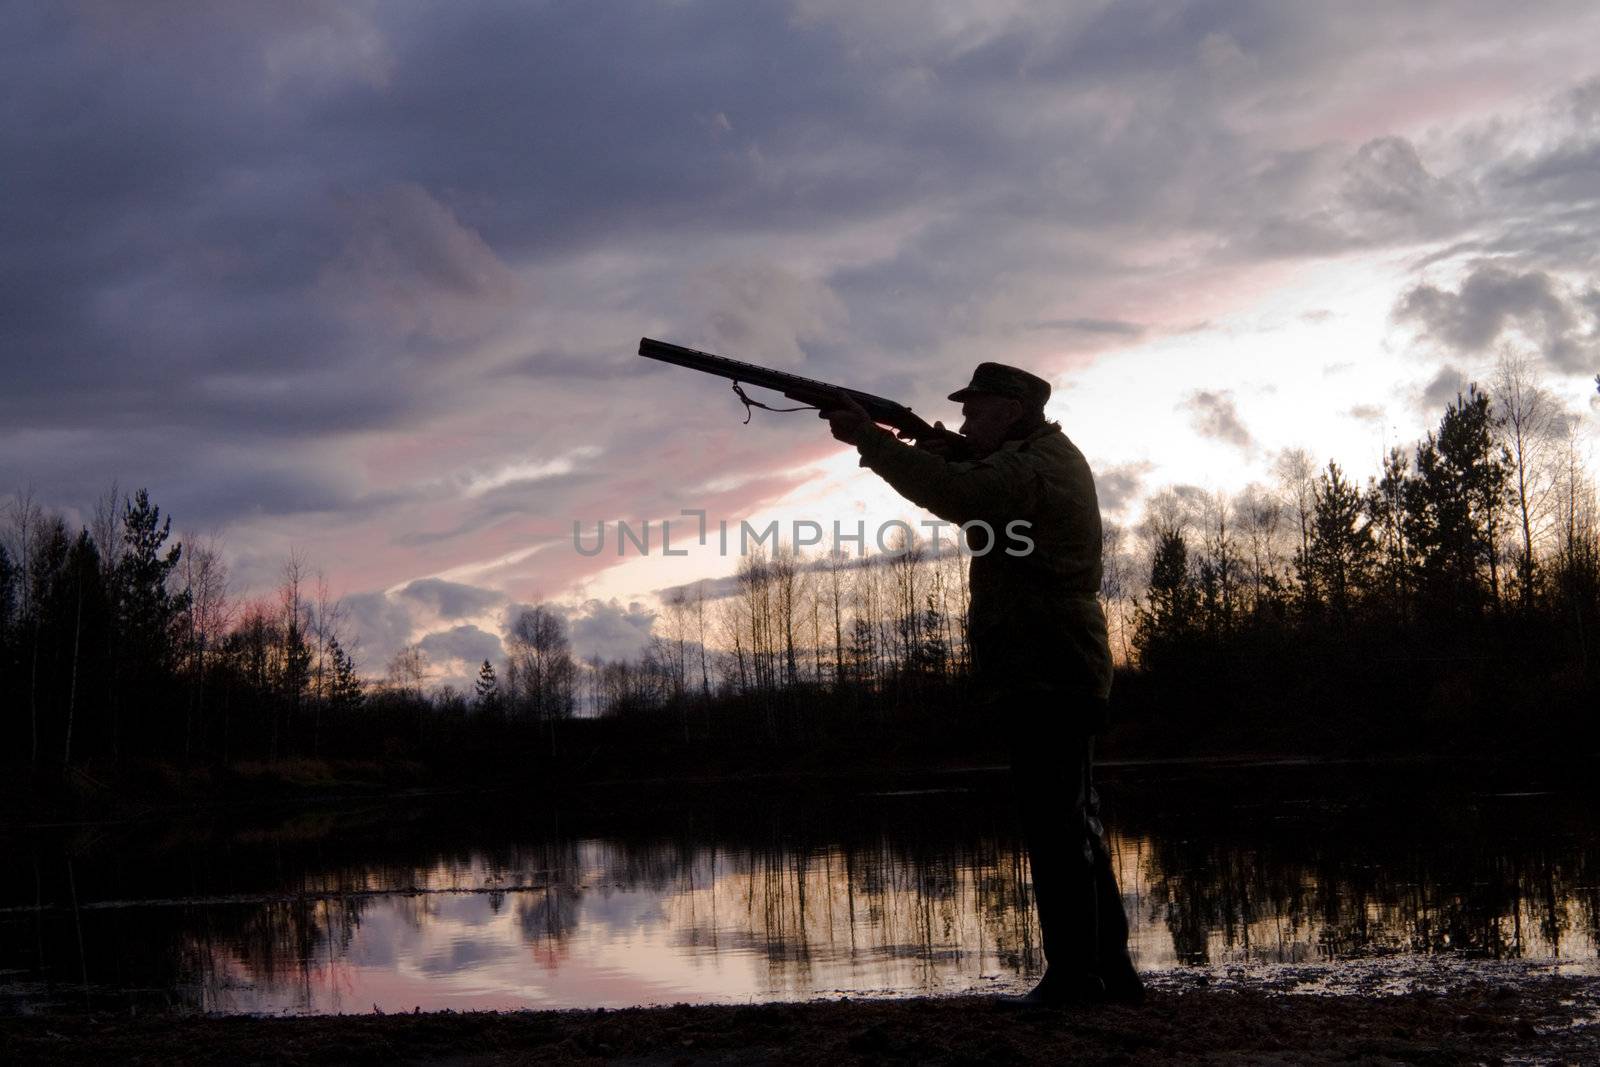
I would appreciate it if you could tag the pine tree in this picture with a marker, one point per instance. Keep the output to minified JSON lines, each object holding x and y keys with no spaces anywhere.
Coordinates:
{"x":933,"y":653}
{"x":1386,"y":518}
{"x":1455,"y":505}
{"x":1173,"y":600}
{"x":487,"y":690}
{"x":862,"y":651}
{"x":295,"y":671}
{"x":1172,"y":595}
{"x":344,"y":690}
{"x":147,"y":614}
{"x":148,"y":607}
{"x":1339,"y":557}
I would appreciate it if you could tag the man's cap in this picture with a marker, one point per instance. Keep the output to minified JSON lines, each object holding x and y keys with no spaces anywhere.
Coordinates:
{"x":997,"y":379}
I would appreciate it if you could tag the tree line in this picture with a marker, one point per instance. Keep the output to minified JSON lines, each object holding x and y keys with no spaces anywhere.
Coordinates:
{"x":1452,"y":601}
{"x":792,"y":651}
{"x":118,"y":641}
{"x":1454,"y":598}
{"x":1453,"y":593}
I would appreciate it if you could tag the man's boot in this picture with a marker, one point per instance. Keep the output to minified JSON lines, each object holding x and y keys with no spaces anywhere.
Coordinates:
{"x":1124,"y":987}
{"x":1058,"y":989}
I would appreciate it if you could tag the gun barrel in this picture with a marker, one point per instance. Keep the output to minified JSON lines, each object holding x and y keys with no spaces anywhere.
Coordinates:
{"x":807,"y":390}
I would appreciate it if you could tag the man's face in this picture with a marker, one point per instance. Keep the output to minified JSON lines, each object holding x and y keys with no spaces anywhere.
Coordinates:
{"x":986,"y":420}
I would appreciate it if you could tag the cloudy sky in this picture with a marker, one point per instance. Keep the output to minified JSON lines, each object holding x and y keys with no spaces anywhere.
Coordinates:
{"x":366,"y":280}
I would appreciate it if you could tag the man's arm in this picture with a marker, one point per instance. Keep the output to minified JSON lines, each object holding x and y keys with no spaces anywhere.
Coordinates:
{"x":997,"y":489}
{"x":1002,"y":487}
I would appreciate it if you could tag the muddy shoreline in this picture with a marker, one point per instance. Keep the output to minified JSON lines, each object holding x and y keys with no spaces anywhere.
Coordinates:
{"x":1543,"y":1019}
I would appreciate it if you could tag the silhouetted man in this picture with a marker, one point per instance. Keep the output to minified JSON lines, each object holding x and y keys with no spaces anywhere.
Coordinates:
{"x":1039,"y":646}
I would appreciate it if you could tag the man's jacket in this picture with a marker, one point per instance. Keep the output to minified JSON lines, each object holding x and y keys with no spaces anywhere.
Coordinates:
{"x":1035,"y":624}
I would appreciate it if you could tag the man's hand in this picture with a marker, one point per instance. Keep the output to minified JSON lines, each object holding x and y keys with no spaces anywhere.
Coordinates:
{"x":847,"y":419}
{"x":946,"y":444}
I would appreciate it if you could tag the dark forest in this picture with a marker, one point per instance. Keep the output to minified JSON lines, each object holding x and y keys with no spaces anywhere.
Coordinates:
{"x":1450,"y":604}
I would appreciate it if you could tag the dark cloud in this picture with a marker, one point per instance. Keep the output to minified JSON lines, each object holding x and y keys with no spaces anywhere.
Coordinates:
{"x":1442,"y":390}
{"x":1537,"y":208}
{"x":1494,"y":303}
{"x":382,"y":626}
{"x":465,"y":643}
{"x":604,"y":628}
{"x":610,"y":630}
{"x":761,"y":307}
{"x":1214,"y":414}
{"x":1118,"y":486}
{"x":409,"y":267}
{"x":1325,"y":200}
{"x":1386,"y":185}
{"x":1551,"y":186}
{"x":450,"y":600}
{"x":707,"y":588}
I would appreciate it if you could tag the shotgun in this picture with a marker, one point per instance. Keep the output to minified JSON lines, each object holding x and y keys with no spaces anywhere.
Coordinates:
{"x":810,"y":392}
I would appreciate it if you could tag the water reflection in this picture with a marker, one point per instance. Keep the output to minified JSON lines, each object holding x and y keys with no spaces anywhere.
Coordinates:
{"x":914,"y":894}
{"x":607,"y":923}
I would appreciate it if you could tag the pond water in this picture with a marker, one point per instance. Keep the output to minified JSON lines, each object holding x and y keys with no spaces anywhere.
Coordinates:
{"x":632,"y":897}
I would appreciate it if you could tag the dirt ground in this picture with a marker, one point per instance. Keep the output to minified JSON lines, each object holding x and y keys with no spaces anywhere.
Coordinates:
{"x":1553,"y":1019}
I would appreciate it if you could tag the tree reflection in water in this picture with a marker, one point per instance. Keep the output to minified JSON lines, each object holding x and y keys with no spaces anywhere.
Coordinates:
{"x":1449,"y":869}
{"x":915,"y":895}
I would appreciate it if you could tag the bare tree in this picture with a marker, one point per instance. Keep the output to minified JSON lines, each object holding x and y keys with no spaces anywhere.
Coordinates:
{"x":836,"y":600}
{"x":1166,"y":515}
{"x":1528,"y":424}
{"x":105,"y":526}
{"x":785,"y":576}
{"x":1576,"y":516}
{"x":868,"y":632}
{"x":1297,"y":475}
{"x":700,"y":637}
{"x":542,"y":652}
{"x":677,"y":613}
{"x":1220,"y":561}
{"x":1260,"y":516}
{"x":327,"y":620}
{"x":814,"y":613}
{"x":204,"y":576}
{"x":903,"y":567}
{"x":407,"y":672}
{"x":22,"y":531}
{"x":295,"y":654}
{"x":1116,"y":586}
{"x":958,"y":602}
{"x":754,"y":580}
{"x":731,"y":619}
{"x":595,"y":667}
